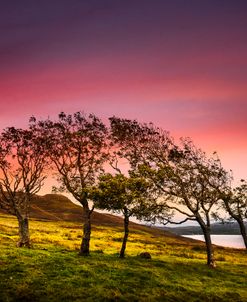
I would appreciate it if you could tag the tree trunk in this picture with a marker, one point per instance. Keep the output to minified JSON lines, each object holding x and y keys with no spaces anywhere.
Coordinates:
{"x":126,"y":234}
{"x":24,"y":239}
{"x":243,"y":231}
{"x":210,"y":251}
{"x":239,"y":221}
{"x":84,"y":250}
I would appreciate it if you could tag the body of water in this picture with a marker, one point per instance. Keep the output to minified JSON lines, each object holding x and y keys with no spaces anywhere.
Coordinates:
{"x":235,"y":241}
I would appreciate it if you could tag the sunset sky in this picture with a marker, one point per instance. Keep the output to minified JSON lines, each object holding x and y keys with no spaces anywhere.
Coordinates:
{"x":180,"y":64}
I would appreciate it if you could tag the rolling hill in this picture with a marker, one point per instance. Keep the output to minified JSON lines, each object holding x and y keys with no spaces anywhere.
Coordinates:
{"x":57,"y":207}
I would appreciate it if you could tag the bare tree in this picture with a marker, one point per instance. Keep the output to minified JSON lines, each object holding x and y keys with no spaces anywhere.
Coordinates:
{"x":22,"y":164}
{"x":77,"y":146}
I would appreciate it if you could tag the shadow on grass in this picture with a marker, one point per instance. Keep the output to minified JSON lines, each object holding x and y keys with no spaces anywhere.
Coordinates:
{"x":57,"y":274}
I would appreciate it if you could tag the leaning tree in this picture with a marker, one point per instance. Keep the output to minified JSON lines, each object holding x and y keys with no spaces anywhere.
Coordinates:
{"x":191,"y":183}
{"x":135,"y":143}
{"x":22,"y":164}
{"x":129,"y":195}
{"x":235,"y":204}
{"x":77,"y":146}
{"x":188,"y":182}
{"x":125,"y":190}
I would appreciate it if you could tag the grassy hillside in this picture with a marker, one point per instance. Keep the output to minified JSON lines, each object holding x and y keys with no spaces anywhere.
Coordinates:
{"x":53,"y":271}
{"x":60,"y":208}
{"x":56,"y":207}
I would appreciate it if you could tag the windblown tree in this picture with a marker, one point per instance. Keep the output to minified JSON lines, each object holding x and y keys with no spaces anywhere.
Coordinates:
{"x":22,"y":164}
{"x":188,"y":182}
{"x":128,"y":195}
{"x":137,"y":143}
{"x":235,"y":203}
{"x":185,"y":178}
{"x":77,"y":146}
{"x":132,"y":139}
{"x":126,"y":191}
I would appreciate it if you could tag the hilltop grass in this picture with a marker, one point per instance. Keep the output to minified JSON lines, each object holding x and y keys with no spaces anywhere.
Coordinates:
{"x":52,"y":270}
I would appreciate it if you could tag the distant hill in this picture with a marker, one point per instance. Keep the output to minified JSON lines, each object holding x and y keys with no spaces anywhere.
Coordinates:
{"x":216,"y":229}
{"x":57,"y":207}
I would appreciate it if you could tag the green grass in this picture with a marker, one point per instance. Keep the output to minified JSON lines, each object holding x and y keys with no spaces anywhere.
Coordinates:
{"x":52,"y":270}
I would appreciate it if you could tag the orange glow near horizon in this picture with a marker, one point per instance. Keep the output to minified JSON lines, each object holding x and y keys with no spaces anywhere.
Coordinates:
{"x":183,"y":67}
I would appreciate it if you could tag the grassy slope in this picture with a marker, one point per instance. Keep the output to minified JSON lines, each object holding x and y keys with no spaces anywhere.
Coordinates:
{"x":59,"y":208}
{"x":53,"y":271}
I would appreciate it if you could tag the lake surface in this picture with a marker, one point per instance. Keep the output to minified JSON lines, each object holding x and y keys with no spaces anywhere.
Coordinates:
{"x":235,"y":241}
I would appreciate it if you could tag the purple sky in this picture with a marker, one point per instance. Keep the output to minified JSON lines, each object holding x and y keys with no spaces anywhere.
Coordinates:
{"x":180,"y":64}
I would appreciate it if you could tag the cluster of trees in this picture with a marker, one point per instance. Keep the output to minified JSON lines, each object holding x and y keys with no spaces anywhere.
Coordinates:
{"x":131,"y":168}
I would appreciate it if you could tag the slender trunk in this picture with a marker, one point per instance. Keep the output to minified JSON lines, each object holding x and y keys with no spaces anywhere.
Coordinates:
{"x":126,"y":234}
{"x":210,"y":251}
{"x":84,"y":250}
{"x":24,"y":239}
{"x":238,"y":219}
{"x":243,"y":231}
